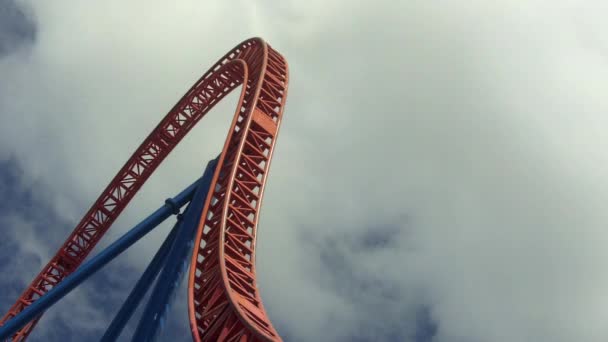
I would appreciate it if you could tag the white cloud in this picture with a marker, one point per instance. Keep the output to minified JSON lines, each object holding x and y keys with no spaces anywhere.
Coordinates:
{"x":478,"y":127}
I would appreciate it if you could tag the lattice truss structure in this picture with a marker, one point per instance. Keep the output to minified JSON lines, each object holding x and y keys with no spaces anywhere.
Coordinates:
{"x":224,"y":302}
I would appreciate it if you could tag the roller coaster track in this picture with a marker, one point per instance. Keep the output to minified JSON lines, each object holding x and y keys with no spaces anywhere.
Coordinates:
{"x":223,"y":299}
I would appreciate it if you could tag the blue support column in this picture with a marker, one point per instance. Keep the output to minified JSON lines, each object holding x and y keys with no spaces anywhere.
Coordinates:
{"x":141,"y":287}
{"x":177,"y":262}
{"x":90,"y":267}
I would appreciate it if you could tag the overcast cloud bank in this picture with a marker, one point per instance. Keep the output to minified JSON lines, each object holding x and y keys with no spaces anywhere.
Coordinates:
{"x":440,"y":171}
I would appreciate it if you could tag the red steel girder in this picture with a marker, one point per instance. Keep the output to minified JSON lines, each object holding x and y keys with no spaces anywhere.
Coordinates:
{"x":224,"y":303}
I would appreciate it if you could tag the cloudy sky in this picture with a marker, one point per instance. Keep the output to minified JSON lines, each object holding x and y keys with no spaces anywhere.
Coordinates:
{"x":440,"y":174}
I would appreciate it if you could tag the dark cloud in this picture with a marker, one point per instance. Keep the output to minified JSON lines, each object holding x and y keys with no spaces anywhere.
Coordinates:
{"x":382,"y":236}
{"x":31,"y":229}
{"x":17,"y":26}
{"x":380,"y":300}
{"x":483,"y":122}
{"x":426,"y":326}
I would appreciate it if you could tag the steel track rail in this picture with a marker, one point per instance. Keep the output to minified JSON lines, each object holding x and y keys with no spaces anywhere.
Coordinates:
{"x":224,"y":303}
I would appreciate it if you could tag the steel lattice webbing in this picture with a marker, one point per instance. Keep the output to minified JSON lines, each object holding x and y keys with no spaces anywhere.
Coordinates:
{"x":224,"y":303}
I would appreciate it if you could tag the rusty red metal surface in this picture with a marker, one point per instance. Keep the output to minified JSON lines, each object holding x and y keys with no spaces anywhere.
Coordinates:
{"x":224,"y":302}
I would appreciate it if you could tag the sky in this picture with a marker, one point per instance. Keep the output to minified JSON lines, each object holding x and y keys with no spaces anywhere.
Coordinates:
{"x":438,"y":175}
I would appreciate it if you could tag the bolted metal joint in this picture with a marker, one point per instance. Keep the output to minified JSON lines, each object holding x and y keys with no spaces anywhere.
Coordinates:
{"x":174,"y":207}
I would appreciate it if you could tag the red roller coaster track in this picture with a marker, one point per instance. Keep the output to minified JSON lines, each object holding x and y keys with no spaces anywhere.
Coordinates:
{"x":224,"y":302}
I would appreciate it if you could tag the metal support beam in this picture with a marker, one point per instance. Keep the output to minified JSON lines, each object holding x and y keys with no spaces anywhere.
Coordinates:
{"x":177,"y":262}
{"x":89,"y":268}
{"x":141,"y":288}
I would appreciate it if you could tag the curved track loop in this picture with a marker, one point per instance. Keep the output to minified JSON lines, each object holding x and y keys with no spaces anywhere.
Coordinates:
{"x":224,"y":303}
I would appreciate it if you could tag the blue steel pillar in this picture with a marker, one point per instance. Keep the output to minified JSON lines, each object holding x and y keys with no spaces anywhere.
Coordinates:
{"x":97,"y":262}
{"x":141,"y":287}
{"x":177,"y":262}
